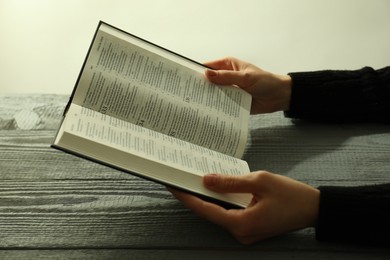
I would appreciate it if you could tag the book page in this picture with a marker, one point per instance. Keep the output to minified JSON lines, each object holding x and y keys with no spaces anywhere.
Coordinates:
{"x":148,"y":144}
{"x":131,"y":80}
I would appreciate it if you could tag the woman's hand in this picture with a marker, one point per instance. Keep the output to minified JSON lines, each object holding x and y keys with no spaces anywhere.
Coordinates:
{"x":279,"y":205}
{"x":270,"y":92}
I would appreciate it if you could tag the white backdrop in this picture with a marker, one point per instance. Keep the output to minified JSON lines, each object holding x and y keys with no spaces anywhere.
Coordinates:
{"x":43,"y":43}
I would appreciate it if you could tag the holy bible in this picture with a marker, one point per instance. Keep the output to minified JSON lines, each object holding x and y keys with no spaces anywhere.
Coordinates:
{"x":148,"y":111}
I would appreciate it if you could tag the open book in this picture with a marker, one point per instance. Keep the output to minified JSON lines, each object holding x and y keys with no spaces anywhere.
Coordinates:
{"x":145,"y":110}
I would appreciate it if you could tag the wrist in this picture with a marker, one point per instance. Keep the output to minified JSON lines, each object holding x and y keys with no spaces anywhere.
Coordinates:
{"x":285,"y":88}
{"x":315,"y":205}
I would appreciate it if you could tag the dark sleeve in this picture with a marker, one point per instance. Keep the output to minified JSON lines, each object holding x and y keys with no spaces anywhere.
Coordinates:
{"x":338,"y":95}
{"x":348,"y":214}
{"x":355,"y":214}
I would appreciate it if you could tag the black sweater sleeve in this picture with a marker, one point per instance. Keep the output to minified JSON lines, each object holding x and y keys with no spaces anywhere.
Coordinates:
{"x":349,"y":214}
{"x":358,"y":95}
{"x":355,"y":214}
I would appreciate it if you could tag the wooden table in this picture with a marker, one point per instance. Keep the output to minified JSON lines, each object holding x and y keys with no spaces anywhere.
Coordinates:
{"x":57,"y":205}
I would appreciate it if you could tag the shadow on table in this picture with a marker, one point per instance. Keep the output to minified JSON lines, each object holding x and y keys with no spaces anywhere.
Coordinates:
{"x":280,"y":148}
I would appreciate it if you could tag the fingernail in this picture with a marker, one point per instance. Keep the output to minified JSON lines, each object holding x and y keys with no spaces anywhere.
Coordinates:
{"x":210,"y":180}
{"x":211,"y":73}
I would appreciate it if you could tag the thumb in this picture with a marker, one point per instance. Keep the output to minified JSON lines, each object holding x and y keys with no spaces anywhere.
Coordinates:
{"x":230,"y":184}
{"x":226,"y":77}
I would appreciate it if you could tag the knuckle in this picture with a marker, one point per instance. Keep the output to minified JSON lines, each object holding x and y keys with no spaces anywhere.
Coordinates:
{"x":241,"y":231}
{"x":227,"y":60}
{"x":246,"y":240}
{"x":241,"y":228}
{"x":243,"y":236}
{"x":262,"y":176}
{"x":246,"y":77}
{"x":244,"y":230}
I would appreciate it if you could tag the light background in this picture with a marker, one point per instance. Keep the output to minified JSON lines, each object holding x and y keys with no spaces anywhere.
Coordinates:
{"x":43,"y":43}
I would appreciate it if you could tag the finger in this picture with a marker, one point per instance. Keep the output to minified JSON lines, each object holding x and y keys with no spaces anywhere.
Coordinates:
{"x":228,"y":77}
{"x":207,"y":210}
{"x":231,"y":184}
{"x":220,"y":64}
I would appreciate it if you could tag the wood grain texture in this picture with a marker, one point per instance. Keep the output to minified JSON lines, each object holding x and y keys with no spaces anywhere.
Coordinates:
{"x":54,"y":204}
{"x":171,"y":254}
{"x":31,"y":111}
